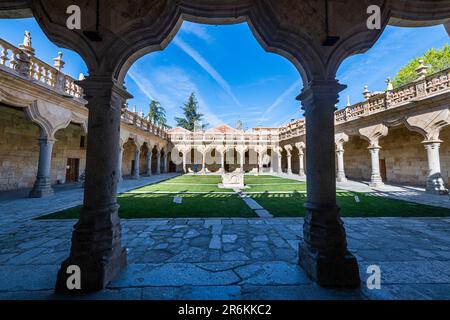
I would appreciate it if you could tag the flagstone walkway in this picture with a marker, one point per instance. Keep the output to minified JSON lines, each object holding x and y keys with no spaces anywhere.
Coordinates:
{"x":222,"y":258}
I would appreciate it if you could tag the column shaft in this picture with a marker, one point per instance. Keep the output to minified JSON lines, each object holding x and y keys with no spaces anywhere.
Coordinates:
{"x":149,"y":162}
{"x":96,"y":247}
{"x":341,"y":170}
{"x":158,"y":162}
{"x":119,"y":164}
{"x":42,"y":185}
{"x":375,"y":179}
{"x":324,"y":254}
{"x":435,"y":182}
{"x":137,"y":156}
{"x":289,"y":163}
{"x":301,"y":171}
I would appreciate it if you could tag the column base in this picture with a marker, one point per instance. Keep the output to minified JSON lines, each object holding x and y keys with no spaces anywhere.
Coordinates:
{"x":41,"y":189}
{"x":341,"y":179}
{"x":324,"y":254}
{"x":339,"y":271}
{"x":96,"y":250}
{"x":376,"y":182}
{"x":95,"y":275}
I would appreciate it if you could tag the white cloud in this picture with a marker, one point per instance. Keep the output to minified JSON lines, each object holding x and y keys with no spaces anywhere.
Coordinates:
{"x":287,"y":93}
{"x":174,"y":87}
{"x":202,"y":62}
{"x":197,"y":30}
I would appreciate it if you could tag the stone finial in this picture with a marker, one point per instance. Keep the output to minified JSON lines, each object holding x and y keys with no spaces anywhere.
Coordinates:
{"x":142,"y":113}
{"x":348,"y":101}
{"x":27,"y":46}
{"x":134,"y":109}
{"x":422,"y":70}
{"x":81,"y":77}
{"x":390,"y":85}
{"x":366,"y":93}
{"x":59,"y":63}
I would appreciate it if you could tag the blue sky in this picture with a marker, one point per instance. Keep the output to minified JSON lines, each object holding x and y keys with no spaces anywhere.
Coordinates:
{"x":233,"y":77}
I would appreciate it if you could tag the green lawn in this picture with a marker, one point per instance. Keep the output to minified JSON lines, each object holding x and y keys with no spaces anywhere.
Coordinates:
{"x":142,"y":203}
{"x":186,"y":183}
{"x":162,"y":206}
{"x":291,"y":205}
{"x":273,"y":184}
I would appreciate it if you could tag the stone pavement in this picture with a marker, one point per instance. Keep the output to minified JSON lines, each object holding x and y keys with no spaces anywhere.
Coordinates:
{"x":407,"y":193}
{"x":232,"y":259}
{"x":221,"y":258}
{"x":23,"y":208}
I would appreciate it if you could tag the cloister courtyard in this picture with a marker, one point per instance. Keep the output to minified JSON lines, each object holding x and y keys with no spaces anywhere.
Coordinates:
{"x":219,"y":244}
{"x":145,"y":156}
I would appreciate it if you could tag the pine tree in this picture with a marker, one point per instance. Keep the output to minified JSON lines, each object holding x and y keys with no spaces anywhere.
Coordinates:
{"x":157,"y":113}
{"x":191,"y":114}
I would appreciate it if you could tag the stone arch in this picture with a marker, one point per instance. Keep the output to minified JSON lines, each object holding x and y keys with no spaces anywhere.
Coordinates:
{"x":266,"y":31}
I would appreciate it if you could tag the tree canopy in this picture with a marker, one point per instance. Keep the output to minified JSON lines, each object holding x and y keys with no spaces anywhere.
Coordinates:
{"x":157,"y":113}
{"x":192,"y":117}
{"x":436,"y":59}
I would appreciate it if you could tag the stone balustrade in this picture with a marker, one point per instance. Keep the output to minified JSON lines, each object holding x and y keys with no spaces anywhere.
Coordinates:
{"x":427,"y":87}
{"x":24,"y":63}
{"x":133,"y":118}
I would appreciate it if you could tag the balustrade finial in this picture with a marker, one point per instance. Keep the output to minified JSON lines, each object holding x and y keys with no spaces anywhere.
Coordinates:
{"x":390,"y":85}
{"x":422,"y":70}
{"x":348,"y":101}
{"x":366,"y":92}
{"x":27,"y":46}
{"x":59,"y":63}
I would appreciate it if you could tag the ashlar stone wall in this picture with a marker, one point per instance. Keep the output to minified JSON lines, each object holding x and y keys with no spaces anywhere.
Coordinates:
{"x":19,"y":150}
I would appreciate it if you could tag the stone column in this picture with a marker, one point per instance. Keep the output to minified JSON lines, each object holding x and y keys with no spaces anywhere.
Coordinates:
{"x":280,"y":161}
{"x":289,"y":163}
{"x":301,"y":162}
{"x":137,"y":156}
{"x":272,"y":158}
{"x":166,"y":164}
{"x":185,"y":153}
{"x":324,"y":254}
{"x":435,"y":183}
{"x":340,"y":161}
{"x":149,"y":161}
{"x":42,"y":185}
{"x":242,"y":156}
{"x":158,"y":162}
{"x":375,"y":178}
{"x":260,"y":163}
{"x":222,"y":162}
{"x":119,"y":163}
{"x":96,"y":246}
{"x":203,"y":162}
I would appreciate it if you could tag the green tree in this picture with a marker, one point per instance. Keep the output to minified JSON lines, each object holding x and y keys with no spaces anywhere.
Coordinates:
{"x":191,"y":114}
{"x":436,"y":59}
{"x":157,"y":113}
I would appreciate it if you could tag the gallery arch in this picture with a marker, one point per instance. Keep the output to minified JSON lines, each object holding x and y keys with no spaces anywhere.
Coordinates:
{"x":288,"y":28}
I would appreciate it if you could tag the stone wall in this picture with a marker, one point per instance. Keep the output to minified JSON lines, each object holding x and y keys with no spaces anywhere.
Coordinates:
{"x":404,"y":154}
{"x":67,"y":146}
{"x":19,"y":150}
{"x":445,"y":155}
{"x":357,"y":159}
